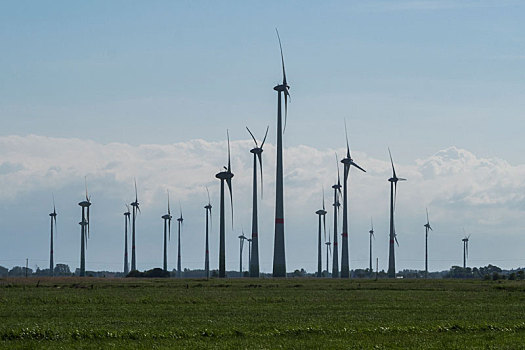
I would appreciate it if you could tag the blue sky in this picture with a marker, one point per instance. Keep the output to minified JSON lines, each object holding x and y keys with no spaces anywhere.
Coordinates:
{"x":418,"y":76}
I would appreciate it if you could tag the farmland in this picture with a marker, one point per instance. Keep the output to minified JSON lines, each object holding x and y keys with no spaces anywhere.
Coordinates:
{"x":261,"y":313}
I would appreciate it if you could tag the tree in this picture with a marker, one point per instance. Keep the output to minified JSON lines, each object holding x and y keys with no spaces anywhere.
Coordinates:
{"x":62,"y":270}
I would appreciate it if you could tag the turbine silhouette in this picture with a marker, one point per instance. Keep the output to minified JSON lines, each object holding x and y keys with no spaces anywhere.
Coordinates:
{"x":53,"y":216}
{"x":393,"y":236}
{"x":225,"y":176}
{"x":207,"y":207}
{"x":322,"y":217}
{"x":328,"y":251}
{"x":242,"y":237}
{"x":126,"y":223}
{"x":254,"y":250}
{"x":348,"y":163}
{"x":279,"y":256}
{"x":371,"y":232}
{"x":179,"y":269}
{"x":465,"y":249}
{"x":135,"y":211}
{"x":84,"y":231}
{"x":167,"y":234}
{"x":427,"y":228}
{"x":337,"y":206}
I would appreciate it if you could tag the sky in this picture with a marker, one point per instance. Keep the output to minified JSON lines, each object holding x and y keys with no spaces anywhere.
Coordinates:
{"x":113,"y":91}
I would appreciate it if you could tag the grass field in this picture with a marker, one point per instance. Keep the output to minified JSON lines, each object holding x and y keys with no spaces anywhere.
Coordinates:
{"x":262,"y":314}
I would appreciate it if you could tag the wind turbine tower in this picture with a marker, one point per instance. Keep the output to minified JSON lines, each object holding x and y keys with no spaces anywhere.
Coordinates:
{"x":179,"y":269}
{"x":322,"y":223}
{"x":135,"y":210}
{"x":427,"y":228}
{"x":53,"y":216}
{"x":207,"y":207}
{"x":279,"y":257}
{"x":337,"y":206}
{"x":127,"y":222}
{"x":328,"y":250}
{"x":257,"y":154}
{"x":84,"y":232}
{"x":167,"y":234}
{"x":225,"y":176}
{"x":465,"y":250}
{"x":348,"y":163}
{"x":393,"y":236}
{"x":242,"y":237}
{"x":371,"y":232}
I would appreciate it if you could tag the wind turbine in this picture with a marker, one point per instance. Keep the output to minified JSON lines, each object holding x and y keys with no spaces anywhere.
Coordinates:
{"x":279,"y":258}
{"x":126,"y":223}
{"x":249,"y":240}
{"x":257,"y":154}
{"x":371,"y":232}
{"x":322,"y":217}
{"x":167,"y":234}
{"x":207,"y":207}
{"x":393,"y":236}
{"x":242,"y":237}
{"x":465,"y":249}
{"x":328,"y":250}
{"x":337,"y":206}
{"x":225,"y":175}
{"x":84,"y":232}
{"x":427,"y":228}
{"x":136,"y":209}
{"x":179,"y":270}
{"x":348,"y":163}
{"x":53,"y":216}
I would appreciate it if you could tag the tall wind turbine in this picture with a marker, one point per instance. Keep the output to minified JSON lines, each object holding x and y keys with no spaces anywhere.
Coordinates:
{"x":127,"y":223}
{"x":322,"y":220}
{"x":242,"y":237}
{"x":371,"y":232}
{"x":136,"y":209}
{"x":279,"y":258}
{"x":337,"y":206}
{"x":328,"y":251}
{"x":53,"y":216}
{"x":427,"y":228}
{"x":84,"y":232}
{"x":207,"y":207}
{"x":393,"y":236}
{"x":167,"y":234}
{"x":179,"y":270}
{"x":257,"y":154}
{"x":348,"y":163}
{"x":225,"y":175}
{"x":465,"y":250}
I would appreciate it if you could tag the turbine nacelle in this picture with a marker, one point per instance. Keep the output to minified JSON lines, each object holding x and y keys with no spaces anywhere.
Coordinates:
{"x":85,"y":204}
{"x":224,"y":175}
{"x":166,"y":217}
{"x":256,"y":150}
{"x":321,"y":212}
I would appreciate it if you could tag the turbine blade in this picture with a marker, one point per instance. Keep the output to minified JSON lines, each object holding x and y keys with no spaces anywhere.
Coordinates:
{"x":395,"y":238}
{"x":207,"y":191}
{"x":282,"y":57}
{"x":323,"y":200}
{"x":88,"y":221}
{"x":259,"y":155}
{"x":169,"y":211}
{"x":395,"y":195}
{"x":324,"y":226}
{"x":229,"y":183}
{"x":56,"y":228}
{"x":169,"y":228}
{"x":266,"y":134}
{"x":392,"y":162}
{"x":286,"y":95}
{"x":85,"y":183}
{"x":253,"y":137}
{"x":229,"y":163}
{"x":347,"y":144}
{"x":358,"y":167}
{"x":401,"y":179}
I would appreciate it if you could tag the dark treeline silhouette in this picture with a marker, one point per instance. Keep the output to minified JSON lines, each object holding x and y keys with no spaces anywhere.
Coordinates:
{"x":489,"y":272}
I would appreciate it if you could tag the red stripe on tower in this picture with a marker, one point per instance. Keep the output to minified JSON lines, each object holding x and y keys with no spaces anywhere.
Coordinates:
{"x":279,"y":221}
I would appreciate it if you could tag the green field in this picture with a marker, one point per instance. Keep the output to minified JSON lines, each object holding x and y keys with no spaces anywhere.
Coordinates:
{"x":261,"y":313}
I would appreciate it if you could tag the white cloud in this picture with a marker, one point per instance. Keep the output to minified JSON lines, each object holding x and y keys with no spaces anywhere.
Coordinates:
{"x":486,"y":196}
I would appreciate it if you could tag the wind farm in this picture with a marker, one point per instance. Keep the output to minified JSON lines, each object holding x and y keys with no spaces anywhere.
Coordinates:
{"x":135,"y":102}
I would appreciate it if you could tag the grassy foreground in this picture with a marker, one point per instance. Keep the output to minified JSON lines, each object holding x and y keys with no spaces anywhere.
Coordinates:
{"x":262,"y":314}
